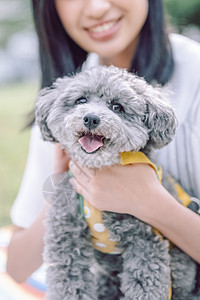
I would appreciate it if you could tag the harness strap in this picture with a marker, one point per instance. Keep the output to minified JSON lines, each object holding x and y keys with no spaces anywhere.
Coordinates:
{"x":190,"y":202}
{"x":139,"y":157}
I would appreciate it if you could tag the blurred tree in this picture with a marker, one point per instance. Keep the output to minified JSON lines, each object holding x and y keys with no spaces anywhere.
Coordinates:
{"x":183,"y":12}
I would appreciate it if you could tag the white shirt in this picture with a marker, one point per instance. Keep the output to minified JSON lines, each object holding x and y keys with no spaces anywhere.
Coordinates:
{"x":181,"y":157}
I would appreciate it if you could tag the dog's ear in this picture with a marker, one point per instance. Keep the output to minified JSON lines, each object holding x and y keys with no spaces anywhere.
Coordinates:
{"x":46,"y":98}
{"x":159,"y":117}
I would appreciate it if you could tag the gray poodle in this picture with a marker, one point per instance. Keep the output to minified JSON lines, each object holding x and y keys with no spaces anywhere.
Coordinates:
{"x":96,"y":115}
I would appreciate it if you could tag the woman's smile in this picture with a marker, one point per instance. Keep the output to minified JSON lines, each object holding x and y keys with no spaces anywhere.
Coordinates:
{"x":104,"y":30}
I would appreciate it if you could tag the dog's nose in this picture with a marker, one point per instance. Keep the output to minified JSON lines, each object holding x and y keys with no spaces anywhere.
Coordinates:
{"x":91,"y":121}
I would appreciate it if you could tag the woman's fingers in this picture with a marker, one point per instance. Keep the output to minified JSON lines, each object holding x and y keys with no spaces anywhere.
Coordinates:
{"x":85,"y":181}
{"x":78,"y":187}
{"x":111,"y":188}
{"x":83,"y":175}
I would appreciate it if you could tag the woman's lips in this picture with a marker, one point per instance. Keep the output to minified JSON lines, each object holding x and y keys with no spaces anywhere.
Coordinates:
{"x":104,"y":31}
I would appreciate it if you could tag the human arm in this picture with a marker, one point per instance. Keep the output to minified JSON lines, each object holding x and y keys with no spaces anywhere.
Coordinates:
{"x":26,"y":246}
{"x":111,"y":189}
{"x":25,"y":249}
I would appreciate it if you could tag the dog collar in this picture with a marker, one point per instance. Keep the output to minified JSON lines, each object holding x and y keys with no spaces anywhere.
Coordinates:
{"x":131,"y":157}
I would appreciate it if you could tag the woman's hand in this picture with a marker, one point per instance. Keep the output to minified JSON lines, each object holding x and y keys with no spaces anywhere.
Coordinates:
{"x":135,"y":189}
{"x":122,"y":189}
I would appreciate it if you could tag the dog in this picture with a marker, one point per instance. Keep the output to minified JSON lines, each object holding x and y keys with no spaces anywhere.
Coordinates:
{"x":96,"y":115}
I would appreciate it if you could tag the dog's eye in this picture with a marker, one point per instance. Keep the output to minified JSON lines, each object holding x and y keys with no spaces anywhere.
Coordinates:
{"x":81,"y":100}
{"x":116,"y":107}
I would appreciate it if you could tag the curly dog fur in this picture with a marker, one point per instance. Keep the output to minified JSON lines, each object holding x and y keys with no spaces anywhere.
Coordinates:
{"x":125,"y":114}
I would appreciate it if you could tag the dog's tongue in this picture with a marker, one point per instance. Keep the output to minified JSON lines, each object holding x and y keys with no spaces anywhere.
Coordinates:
{"x":91,"y":142}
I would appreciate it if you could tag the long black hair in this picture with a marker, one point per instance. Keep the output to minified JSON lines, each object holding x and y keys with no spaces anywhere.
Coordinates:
{"x":60,"y":55}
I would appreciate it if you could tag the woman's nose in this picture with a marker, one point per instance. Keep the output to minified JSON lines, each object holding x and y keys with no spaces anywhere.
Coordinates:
{"x":96,"y":9}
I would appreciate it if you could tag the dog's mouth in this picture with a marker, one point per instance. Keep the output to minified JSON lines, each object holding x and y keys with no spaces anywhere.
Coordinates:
{"x":91,"y":143}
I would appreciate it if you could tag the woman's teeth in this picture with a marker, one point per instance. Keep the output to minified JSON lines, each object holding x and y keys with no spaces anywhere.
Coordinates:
{"x":103,"y":27}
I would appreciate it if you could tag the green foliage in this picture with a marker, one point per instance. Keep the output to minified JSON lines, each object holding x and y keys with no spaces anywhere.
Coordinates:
{"x":15,"y":102}
{"x":183,"y":12}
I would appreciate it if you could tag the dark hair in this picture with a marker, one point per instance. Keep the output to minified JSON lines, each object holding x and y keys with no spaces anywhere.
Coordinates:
{"x":60,"y":55}
{"x":153,"y":58}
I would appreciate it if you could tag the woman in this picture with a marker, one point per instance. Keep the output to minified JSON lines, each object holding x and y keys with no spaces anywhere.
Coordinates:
{"x":129,"y":34}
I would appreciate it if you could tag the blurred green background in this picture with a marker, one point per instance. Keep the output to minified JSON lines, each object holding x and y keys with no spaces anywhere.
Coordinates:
{"x":183,"y":12}
{"x":16,"y":100}
{"x":19,"y":83}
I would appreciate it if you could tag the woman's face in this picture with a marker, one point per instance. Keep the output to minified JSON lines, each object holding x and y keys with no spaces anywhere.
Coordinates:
{"x":109,"y":28}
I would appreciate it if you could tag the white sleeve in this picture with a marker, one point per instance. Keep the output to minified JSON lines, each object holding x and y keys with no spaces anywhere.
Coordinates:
{"x":181,"y":157}
{"x":39,"y":167}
